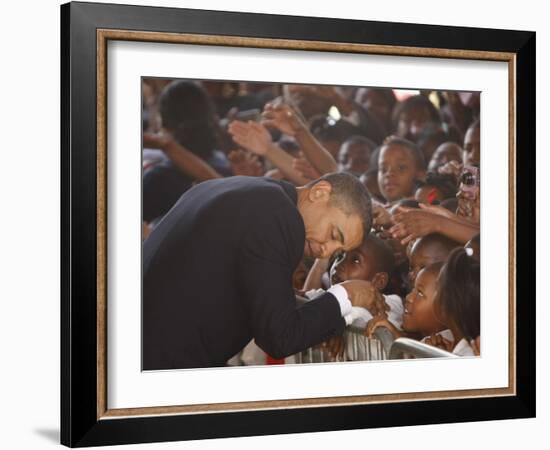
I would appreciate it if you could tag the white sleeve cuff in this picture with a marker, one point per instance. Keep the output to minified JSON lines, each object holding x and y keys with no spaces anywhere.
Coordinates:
{"x":342,"y":296}
{"x":358,"y":316}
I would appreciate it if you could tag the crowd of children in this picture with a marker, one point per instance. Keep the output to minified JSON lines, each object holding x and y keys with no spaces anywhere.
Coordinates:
{"x":417,"y":152}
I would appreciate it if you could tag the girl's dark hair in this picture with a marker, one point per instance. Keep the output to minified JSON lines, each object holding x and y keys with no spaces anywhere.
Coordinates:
{"x":445,"y":182}
{"x":458,"y":293}
{"x":188,"y":113}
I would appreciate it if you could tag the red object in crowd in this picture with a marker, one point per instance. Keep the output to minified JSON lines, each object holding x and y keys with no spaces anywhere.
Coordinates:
{"x":271,"y":361}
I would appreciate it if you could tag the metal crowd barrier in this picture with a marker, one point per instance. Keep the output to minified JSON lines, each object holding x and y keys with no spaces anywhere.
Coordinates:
{"x":358,"y":347}
{"x":406,"y":348}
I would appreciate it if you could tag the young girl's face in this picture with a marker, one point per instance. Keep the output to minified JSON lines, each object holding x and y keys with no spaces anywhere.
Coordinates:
{"x":355,"y":265}
{"x":397,"y":172}
{"x":419,"y":313}
{"x":422,"y":256}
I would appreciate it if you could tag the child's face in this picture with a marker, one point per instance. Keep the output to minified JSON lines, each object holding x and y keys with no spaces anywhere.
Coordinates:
{"x":423,"y":255}
{"x":449,"y":151}
{"x":353,"y":157}
{"x":419,"y":313}
{"x":374,"y":102}
{"x":357,"y":264}
{"x":397,"y":172}
{"x":470,"y":155}
{"x":412,"y":122}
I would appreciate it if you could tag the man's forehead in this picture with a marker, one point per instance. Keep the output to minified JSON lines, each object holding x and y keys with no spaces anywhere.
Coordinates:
{"x":353,"y":234}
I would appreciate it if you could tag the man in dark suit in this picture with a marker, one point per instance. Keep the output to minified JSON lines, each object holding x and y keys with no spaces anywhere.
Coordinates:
{"x":217,"y":269}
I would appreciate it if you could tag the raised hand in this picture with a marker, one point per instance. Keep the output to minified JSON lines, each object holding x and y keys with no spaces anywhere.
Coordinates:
{"x":283,"y":117}
{"x":245,"y":163}
{"x":251,"y":135}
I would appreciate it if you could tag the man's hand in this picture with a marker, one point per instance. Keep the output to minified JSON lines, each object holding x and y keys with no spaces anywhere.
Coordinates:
{"x":252,"y":136}
{"x":365,"y":295}
{"x":283,"y":117}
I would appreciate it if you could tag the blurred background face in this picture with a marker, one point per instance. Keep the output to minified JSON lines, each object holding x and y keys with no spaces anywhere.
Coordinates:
{"x":354,"y":157}
{"x":448,"y":151}
{"x":375,"y":103}
{"x":412,"y":122}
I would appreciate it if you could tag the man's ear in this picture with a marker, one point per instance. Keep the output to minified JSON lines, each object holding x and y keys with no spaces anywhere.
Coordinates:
{"x":380,"y":280}
{"x":320,"y":191}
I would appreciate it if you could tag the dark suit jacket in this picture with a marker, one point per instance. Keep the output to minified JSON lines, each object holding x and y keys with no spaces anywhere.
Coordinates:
{"x":217,"y":272}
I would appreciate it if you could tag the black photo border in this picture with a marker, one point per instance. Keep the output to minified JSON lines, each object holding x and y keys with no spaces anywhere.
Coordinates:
{"x":81,"y":425}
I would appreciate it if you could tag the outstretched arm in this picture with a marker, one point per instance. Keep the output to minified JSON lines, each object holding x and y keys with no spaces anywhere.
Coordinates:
{"x":413,"y":223}
{"x":186,"y":161}
{"x":255,"y":138}
{"x":288,"y":121}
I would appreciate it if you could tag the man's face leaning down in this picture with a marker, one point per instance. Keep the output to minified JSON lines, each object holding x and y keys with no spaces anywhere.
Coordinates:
{"x":328,"y":228}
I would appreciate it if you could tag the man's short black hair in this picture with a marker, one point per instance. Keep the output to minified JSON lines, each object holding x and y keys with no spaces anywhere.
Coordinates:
{"x":349,"y":195}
